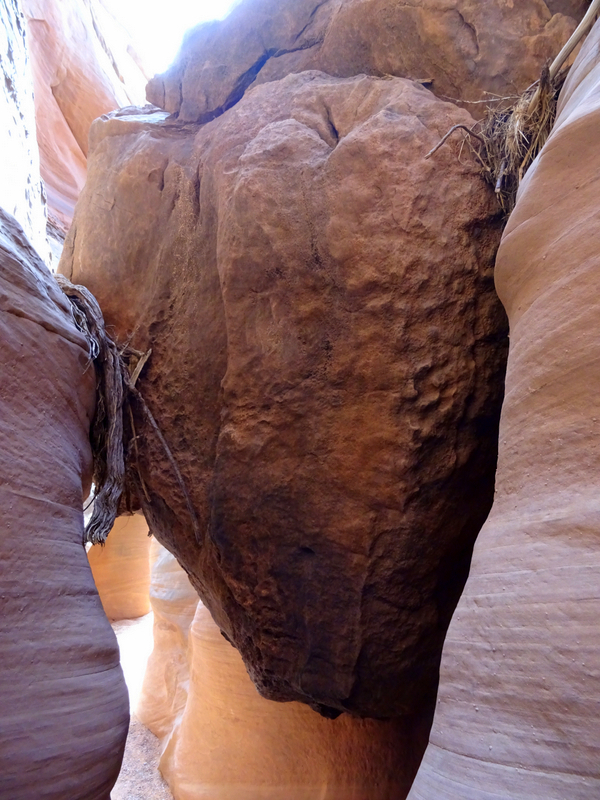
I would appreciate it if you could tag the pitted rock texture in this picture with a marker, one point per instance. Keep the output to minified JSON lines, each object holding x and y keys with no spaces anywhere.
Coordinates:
{"x":82,"y":68}
{"x":121,"y":569}
{"x":517,"y":717}
{"x":466,"y":47}
{"x":327,"y":369}
{"x":64,"y":702}
{"x":21,"y":192}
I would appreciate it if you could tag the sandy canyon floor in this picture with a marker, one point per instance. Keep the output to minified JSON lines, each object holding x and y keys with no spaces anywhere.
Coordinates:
{"x":139,"y":778}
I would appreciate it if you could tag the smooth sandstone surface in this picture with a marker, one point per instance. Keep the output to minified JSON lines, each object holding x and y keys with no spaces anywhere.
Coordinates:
{"x":83,"y":67}
{"x":121,"y":569}
{"x":20,"y":185}
{"x":64,"y":704}
{"x":166,"y":680}
{"x":518,"y":710}
{"x":466,"y":47}
{"x":327,"y":369}
{"x":232,"y":744}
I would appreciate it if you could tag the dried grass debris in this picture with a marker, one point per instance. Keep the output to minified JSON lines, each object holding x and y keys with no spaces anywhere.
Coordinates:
{"x":514,"y":130}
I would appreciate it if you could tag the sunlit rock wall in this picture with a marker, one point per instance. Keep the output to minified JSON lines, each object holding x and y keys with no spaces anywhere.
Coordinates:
{"x":121,"y":568}
{"x":83,"y":67}
{"x":21,"y":191}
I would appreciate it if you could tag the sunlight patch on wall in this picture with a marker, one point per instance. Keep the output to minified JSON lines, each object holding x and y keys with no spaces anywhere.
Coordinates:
{"x":157,"y":27}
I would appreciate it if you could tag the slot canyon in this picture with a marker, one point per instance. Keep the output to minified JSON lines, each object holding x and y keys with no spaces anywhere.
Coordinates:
{"x":297,"y":492}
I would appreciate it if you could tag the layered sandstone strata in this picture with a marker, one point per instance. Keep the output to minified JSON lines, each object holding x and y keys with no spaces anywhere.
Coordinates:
{"x":327,"y":369}
{"x":64,"y":702}
{"x":517,"y":714}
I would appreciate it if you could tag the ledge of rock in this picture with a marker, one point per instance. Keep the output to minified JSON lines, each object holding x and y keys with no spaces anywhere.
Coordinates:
{"x":465,"y":47}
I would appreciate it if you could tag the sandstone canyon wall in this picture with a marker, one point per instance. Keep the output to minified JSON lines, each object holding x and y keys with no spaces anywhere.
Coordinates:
{"x":64,"y":703}
{"x":21,"y":191}
{"x":327,"y":367}
{"x":220,"y":739}
{"x":83,"y":66}
{"x":327,"y":371}
{"x":121,"y":569}
{"x":166,"y":680}
{"x":517,"y":715}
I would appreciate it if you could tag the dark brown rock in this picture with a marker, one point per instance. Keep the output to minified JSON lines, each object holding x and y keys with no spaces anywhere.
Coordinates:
{"x":64,"y":703}
{"x":572,"y":8}
{"x":327,"y":368}
{"x":466,"y":47}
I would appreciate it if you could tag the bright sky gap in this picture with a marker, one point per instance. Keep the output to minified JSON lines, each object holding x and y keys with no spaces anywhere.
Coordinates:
{"x":157,"y":27}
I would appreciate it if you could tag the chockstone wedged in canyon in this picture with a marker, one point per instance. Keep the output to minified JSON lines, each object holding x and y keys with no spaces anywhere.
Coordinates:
{"x":327,"y":347}
{"x":327,"y":368}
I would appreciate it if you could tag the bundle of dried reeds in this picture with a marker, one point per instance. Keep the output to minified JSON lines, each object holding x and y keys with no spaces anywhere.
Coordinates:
{"x":116,"y":470}
{"x":106,"y":435}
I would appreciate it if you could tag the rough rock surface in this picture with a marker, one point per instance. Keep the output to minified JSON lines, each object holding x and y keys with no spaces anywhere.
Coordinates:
{"x":81,"y":70}
{"x":20,"y":185}
{"x":121,"y":569}
{"x":328,"y":296}
{"x":232,"y":744}
{"x":64,"y":703}
{"x":165,"y":688}
{"x":467,"y":47}
{"x":327,"y":368}
{"x":520,"y":682}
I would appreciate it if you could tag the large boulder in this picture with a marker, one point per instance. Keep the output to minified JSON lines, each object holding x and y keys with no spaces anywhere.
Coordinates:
{"x":467,"y":48}
{"x":64,"y":702}
{"x":517,"y":716}
{"x":327,"y":369}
